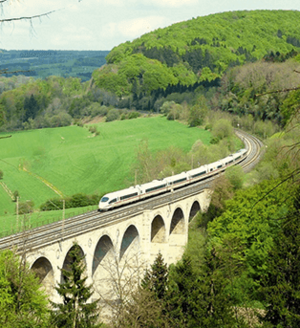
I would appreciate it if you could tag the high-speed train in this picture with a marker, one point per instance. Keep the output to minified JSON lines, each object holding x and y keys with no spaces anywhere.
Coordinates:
{"x":139,"y":192}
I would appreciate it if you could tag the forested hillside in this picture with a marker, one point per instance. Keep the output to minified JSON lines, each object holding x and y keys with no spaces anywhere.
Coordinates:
{"x":197,"y":51}
{"x":44,"y":63}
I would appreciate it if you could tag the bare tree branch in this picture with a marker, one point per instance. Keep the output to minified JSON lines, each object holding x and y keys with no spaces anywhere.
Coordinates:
{"x":26,"y":17}
{"x":277,"y":91}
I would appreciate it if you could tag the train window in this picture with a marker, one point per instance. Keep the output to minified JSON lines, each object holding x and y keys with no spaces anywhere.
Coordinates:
{"x":104,"y":199}
{"x":155,"y":188}
{"x":238,"y":158}
{"x":113,"y":201}
{"x":128,"y":196}
{"x":219,"y":166}
{"x":198,"y":174}
{"x":180,"y":180}
{"x":211,"y":170}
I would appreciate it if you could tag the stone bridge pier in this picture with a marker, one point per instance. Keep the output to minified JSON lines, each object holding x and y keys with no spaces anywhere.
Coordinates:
{"x":120,"y":250}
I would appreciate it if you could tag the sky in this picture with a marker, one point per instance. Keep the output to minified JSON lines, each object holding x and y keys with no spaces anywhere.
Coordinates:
{"x":104,"y":24}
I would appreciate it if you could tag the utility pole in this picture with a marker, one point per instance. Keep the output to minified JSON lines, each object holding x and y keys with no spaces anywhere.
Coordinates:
{"x":63,"y":219}
{"x":17,"y":213}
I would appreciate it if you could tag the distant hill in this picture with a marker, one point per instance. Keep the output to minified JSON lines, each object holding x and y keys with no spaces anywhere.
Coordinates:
{"x":198,"y":51}
{"x":41,"y":64}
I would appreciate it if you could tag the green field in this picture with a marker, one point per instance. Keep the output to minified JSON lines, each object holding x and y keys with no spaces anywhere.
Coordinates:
{"x":71,"y":160}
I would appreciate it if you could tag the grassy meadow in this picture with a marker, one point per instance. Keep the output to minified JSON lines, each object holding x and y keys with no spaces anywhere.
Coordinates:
{"x":45,"y":163}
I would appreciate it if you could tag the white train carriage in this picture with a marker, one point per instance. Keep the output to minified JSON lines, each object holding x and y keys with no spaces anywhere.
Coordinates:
{"x":197,"y":173}
{"x":118,"y":198}
{"x":240,"y":155}
{"x":177,"y":180}
{"x":155,"y":187}
{"x":215,"y":166}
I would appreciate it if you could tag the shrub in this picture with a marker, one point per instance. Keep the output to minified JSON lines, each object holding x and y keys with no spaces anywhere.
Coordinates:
{"x":112,"y":115}
{"x":76,"y":200}
{"x":132,"y":115}
{"x":26,"y":207}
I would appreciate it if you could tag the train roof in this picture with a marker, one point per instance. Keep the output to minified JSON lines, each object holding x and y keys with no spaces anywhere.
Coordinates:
{"x":153,"y":183}
{"x":198,"y":169}
{"x":122,"y":192}
{"x":175,"y":177}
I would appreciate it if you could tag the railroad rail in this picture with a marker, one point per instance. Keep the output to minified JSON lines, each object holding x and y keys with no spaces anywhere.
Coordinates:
{"x":74,"y":226}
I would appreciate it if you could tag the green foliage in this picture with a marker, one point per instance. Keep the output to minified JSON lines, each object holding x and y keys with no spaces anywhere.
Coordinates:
{"x":16,"y":195}
{"x":290,"y":105}
{"x":235,"y":175}
{"x":280,"y":287}
{"x":251,"y":217}
{"x":155,"y":279}
{"x":26,"y":207}
{"x":222,"y":129}
{"x":223,"y":191}
{"x":1,"y":174}
{"x":200,"y":49}
{"x":76,"y":310}
{"x":76,"y":200}
{"x":198,"y":112}
{"x":44,"y":63}
{"x":22,"y":302}
{"x":112,"y":115}
{"x":199,"y":300}
{"x":37,"y":103}
{"x":248,"y":90}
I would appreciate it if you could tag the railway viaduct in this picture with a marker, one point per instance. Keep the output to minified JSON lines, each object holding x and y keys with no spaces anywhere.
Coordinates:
{"x":120,"y":242}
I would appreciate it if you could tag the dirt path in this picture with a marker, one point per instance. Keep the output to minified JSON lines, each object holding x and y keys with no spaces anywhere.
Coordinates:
{"x":47,"y":183}
{"x":7,"y":190}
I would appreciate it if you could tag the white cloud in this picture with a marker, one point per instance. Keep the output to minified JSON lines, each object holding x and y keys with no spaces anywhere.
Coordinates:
{"x":174,"y":3}
{"x":134,"y":27}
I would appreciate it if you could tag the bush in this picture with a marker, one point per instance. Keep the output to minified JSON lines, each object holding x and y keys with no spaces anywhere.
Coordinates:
{"x":112,"y":115}
{"x":222,"y":129}
{"x":76,"y":200}
{"x":26,"y":207}
{"x":132,"y":115}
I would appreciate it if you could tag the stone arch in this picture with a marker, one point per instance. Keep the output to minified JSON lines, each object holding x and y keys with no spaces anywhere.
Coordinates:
{"x":177,"y":222}
{"x":103,"y":250}
{"x":104,"y":268}
{"x":68,"y":259}
{"x":194,"y":210}
{"x":44,"y":271}
{"x":130,"y":240}
{"x":158,"y":230}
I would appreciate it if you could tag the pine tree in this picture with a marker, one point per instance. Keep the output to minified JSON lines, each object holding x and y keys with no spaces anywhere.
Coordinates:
{"x":146,"y":307}
{"x":75,"y":311}
{"x":181,"y":300}
{"x":156,"y":278}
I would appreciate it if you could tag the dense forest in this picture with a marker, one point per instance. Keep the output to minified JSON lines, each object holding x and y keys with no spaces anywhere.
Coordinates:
{"x":223,"y":71}
{"x":41,"y":64}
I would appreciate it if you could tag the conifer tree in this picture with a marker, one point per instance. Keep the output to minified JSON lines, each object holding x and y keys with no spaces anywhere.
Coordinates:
{"x":146,"y":307}
{"x":200,"y":300}
{"x":156,"y":278}
{"x":75,"y":311}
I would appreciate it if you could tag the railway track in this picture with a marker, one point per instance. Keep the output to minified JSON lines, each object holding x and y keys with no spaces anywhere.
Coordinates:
{"x":72,"y":227}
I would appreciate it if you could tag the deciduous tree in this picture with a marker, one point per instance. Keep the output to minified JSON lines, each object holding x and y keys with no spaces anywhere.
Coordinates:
{"x":281,"y":287}
{"x":22,"y":302}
